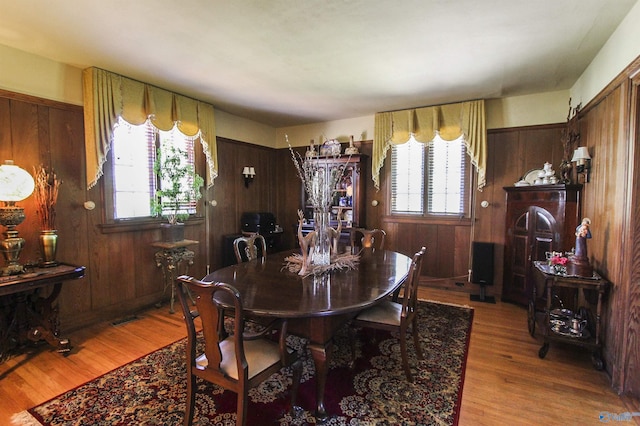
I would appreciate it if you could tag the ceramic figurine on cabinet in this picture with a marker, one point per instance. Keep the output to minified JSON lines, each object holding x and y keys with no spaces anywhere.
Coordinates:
{"x":351,"y":150}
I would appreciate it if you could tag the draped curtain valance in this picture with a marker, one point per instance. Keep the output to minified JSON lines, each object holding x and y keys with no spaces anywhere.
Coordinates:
{"x":108,"y":96}
{"x":449,"y":121}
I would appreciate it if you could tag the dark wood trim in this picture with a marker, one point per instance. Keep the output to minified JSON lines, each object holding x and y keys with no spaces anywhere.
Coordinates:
{"x":142,"y":225}
{"x":427,"y":220}
{"x":39,"y":101}
{"x":629,"y":317}
{"x":525,"y":128}
{"x":247,"y":144}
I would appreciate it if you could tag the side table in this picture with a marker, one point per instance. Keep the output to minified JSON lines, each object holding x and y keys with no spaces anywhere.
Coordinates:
{"x":27,"y":316}
{"x":170,"y":257}
{"x":560,"y":330}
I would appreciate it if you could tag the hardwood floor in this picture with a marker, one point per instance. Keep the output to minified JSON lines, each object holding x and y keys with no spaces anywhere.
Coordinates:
{"x":505,"y":382}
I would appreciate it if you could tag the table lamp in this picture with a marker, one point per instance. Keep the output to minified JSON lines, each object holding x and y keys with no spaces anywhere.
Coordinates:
{"x":16,"y":184}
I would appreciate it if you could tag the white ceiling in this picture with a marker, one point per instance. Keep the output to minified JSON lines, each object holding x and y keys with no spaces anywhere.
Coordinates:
{"x":290,"y":62}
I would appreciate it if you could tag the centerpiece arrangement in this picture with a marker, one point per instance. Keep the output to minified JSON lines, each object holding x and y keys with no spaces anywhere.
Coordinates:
{"x":319,"y":247}
{"x":46,"y":190}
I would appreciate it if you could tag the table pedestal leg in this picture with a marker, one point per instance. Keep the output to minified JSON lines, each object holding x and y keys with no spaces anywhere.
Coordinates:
{"x":320,"y":355}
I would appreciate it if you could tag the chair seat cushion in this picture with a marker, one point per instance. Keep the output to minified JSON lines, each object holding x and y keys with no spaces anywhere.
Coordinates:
{"x":387,"y":312}
{"x":260,"y":355}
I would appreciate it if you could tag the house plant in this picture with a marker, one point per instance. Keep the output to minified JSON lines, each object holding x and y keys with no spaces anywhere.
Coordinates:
{"x":46,"y":190}
{"x":179,"y":188}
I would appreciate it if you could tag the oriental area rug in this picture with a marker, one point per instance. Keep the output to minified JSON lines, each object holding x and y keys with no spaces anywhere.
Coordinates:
{"x":373,"y":390}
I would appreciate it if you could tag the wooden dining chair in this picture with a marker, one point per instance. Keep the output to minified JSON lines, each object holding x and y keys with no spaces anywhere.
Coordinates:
{"x":249,"y":247}
{"x":367,"y":238}
{"x":397,"y":316}
{"x":237,"y":361}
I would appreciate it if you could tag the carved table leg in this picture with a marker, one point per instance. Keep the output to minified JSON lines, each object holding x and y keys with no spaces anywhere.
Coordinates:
{"x":320,"y":355}
{"x":33,"y":318}
{"x":45,"y":321}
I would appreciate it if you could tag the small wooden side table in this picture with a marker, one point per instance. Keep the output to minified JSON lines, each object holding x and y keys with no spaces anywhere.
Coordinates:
{"x":170,"y":257}
{"x":591,"y":341}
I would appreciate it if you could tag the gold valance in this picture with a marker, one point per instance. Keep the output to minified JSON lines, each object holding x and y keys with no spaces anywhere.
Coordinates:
{"x":449,"y":121}
{"x":108,"y":96}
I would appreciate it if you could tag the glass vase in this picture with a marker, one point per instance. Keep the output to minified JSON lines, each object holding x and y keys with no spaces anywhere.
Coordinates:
{"x":321,"y":254}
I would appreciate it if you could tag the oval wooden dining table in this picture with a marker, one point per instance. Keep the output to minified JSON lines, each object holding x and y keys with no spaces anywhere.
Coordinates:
{"x":315,"y":306}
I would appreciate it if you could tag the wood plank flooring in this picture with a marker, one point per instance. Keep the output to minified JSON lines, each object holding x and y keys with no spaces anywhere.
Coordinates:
{"x":505,"y":384}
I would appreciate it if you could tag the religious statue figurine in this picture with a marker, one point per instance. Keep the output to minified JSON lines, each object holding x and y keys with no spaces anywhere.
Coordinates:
{"x":579,"y":263}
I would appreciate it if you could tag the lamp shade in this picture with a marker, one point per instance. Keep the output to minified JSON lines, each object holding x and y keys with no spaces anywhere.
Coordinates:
{"x":581,"y":153}
{"x":16,"y":184}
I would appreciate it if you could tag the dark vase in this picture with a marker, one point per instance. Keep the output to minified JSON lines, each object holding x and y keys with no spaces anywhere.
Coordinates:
{"x":172,"y":233}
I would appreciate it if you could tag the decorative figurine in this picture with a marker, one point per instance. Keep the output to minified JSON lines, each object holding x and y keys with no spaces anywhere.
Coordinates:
{"x":311,"y":151}
{"x":579,"y":263}
{"x":351,"y":150}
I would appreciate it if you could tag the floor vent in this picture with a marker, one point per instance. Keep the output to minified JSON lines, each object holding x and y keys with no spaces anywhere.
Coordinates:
{"x":125,"y":320}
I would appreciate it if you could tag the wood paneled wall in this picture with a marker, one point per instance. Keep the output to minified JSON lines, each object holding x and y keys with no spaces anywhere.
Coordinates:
{"x":609,"y":129}
{"x":122,"y":276}
{"x":121,"y":273}
{"x":511,"y":153}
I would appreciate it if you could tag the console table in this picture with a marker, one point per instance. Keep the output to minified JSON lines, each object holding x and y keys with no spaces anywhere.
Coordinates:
{"x":25,"y":315}
{"x":170,"y":257}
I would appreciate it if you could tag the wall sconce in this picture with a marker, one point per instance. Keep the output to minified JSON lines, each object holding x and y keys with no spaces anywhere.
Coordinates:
{"x":249,"y":173}
{"x":16,"y":184}
{"x":583,"y":162}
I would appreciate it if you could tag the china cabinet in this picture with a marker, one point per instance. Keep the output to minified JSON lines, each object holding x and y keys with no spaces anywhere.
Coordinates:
{"x":539,"y":219}
{"x":348,"y":197}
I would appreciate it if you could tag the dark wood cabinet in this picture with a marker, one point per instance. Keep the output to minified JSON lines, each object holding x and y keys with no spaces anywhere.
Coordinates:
{"x":539,"y":218}
{"x":348,"y":196}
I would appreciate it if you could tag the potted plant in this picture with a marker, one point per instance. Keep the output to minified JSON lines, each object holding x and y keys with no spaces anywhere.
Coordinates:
{"x":46,"y":190}
{"x":180,"y":186}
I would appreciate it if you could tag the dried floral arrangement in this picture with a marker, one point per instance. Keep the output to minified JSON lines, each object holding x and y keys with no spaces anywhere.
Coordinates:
{"x":46,"y":195}
{"x":295,"y":263}
{"x":318,"y":179}
{"x":570,"y":141}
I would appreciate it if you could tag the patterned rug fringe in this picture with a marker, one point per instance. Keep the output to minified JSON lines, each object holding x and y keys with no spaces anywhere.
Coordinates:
{"x":465,"y":306}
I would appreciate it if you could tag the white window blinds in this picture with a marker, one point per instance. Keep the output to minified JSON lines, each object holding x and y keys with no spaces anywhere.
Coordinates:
{"x":407,"y":178}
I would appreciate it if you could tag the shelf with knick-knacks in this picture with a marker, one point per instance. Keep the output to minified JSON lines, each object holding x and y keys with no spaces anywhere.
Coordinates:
{"x":544,"y":176}
{"x":348,"y":196}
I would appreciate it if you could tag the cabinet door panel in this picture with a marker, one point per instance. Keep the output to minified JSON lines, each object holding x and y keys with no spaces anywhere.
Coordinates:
{"x":538,"y":220}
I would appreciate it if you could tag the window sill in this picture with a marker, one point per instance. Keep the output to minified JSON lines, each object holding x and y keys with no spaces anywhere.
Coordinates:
{"x":141,"y":225}
{"x":434,"y":220}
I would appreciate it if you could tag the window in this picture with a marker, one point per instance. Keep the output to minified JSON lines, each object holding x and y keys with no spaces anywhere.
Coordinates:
{"x":439,"y":166}
{"x":407,"y":177}
{"x":133,"y":154}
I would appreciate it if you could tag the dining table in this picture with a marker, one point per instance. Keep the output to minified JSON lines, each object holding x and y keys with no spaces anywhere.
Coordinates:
{"x":317,"y":305}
